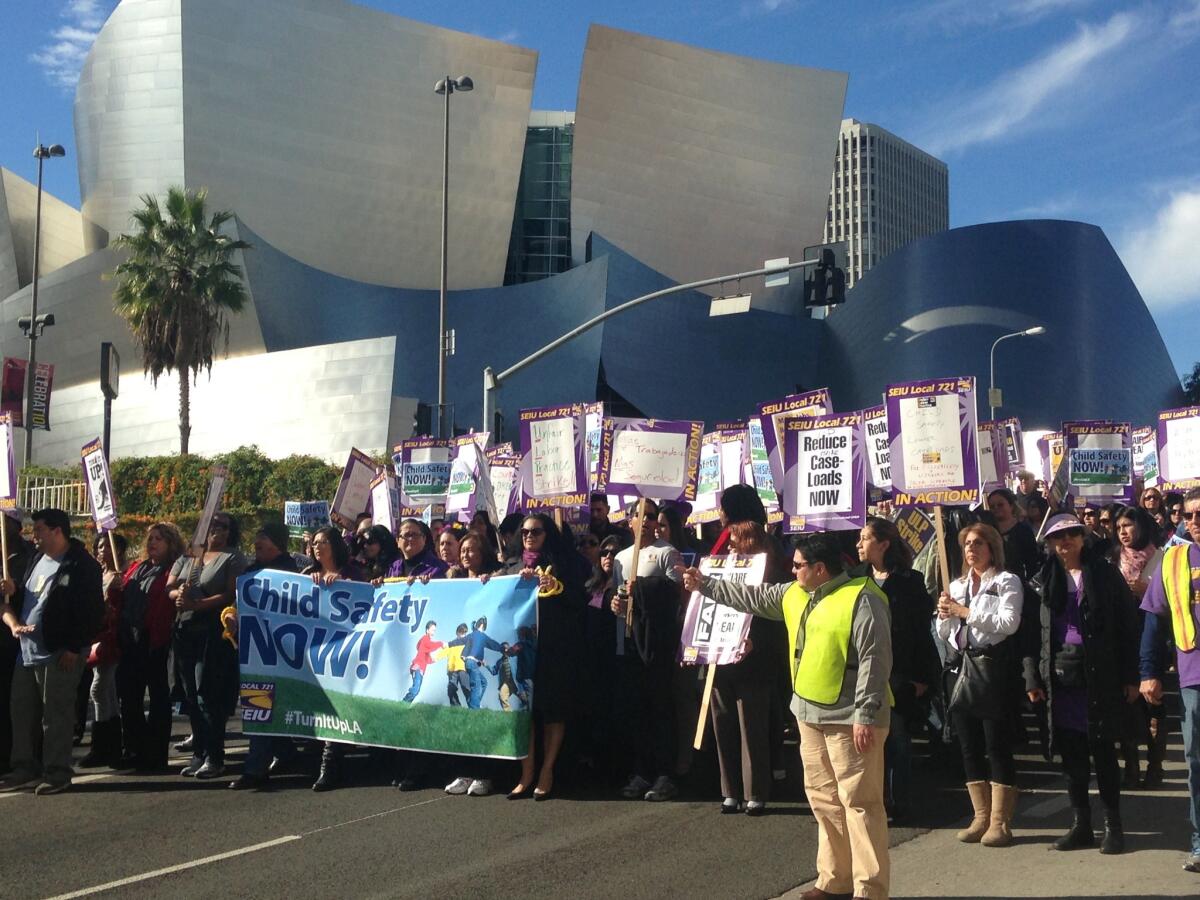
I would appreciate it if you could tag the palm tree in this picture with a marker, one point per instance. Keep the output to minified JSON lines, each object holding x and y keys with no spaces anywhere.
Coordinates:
{"x":176,"y":288}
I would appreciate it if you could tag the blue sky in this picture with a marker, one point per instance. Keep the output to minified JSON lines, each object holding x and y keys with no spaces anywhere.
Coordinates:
{"x":1073,"y":109}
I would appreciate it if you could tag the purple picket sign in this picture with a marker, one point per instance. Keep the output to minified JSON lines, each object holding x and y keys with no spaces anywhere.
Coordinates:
{"x":991,"y":462}
{"x":825,"y":478}
{"x":654,"y":458}
{"x":877,"y":449}
{"x":99,"y":485}
{"x":1014,"y":449}
{"x":1099,"y":438}
{"x":353,"y":490}
{"x":932,"y":431}
{"x":423,"y":468}
{"x":714,"y":634}
{"x":504,"y":484}
{"x":1178,"y":438}
{"x":554,"y":451}
{"x":774,"y":414}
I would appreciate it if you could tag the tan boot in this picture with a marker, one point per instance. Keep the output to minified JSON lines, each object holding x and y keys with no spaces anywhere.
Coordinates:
{"x":1004,"y":803}
{"x":980,"y":793}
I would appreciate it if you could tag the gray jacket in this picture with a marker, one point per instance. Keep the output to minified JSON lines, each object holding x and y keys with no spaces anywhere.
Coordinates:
{"x":863,"y":699}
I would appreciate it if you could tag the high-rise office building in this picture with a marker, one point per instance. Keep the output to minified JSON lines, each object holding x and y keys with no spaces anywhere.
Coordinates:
{"x":885,"y":193}
{"x":540,"y":245}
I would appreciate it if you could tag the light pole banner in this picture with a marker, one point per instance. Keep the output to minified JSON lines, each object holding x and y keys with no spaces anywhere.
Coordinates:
{"x":825,"y":483}
{"x":714,"y":634}
{"x":444,"y":667}
{"x":553,"y":441}
{"x":773,"y":415}
{"x":1178,"y":438}
{"x":43,"y":380}
{"x":654,"y":458}
{"x":99,"y":485}
{"x":933,"y":433}
{"x":1099,"y":461}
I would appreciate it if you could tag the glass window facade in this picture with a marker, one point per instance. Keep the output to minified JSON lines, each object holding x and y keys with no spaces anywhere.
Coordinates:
{"x":540,"y":245}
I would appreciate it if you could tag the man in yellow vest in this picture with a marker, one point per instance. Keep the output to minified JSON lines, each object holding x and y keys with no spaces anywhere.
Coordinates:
{"x":1172,"y":600}
{"x":839,"y":633}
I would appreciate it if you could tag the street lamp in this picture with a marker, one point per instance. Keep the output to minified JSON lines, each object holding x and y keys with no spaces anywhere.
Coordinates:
{"x":995,"y":400}
{"x":445,"y":86}
{"x":42,"y":153}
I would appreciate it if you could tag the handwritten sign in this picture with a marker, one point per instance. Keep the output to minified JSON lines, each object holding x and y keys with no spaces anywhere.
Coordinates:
{"x":504,"y":473}
{"x":825,"y":485}
{"x":1178,"y":438}
{"x":555,"y":451}
{"x":932,"y":431}
{"x":650,"y":457}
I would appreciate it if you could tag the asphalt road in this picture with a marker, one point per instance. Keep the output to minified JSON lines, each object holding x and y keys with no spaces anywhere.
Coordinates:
{"x":136,"y":836}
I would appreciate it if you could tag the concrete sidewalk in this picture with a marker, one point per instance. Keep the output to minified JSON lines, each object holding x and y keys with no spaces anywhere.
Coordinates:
{"x":1157,"y":838}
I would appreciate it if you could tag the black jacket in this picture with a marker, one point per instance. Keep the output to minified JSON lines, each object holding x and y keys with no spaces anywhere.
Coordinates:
{"x":914,"y":653}
{"x":1109,"y":622}
{"x":74,"y":610}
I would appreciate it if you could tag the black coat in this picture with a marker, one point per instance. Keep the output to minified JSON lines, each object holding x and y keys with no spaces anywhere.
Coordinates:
{"x":74,"y":611}
{"x":914,"y":653}
{"x":1109,"y":623}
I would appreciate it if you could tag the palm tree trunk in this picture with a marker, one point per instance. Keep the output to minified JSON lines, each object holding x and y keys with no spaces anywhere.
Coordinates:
{"x":185,"y":417}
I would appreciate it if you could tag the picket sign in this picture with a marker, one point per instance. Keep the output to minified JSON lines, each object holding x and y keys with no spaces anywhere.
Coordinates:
{"x":216,"y":489}
{"x":100,"y":493}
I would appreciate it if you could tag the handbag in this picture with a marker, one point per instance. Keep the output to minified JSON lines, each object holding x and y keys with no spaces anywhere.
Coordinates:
{"x":978,"y":688}
{"x":1069,"y":668}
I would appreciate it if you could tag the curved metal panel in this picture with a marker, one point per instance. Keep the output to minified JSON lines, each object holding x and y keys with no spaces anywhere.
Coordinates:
{"x":934,"y":308}
{"x":687,"y":157}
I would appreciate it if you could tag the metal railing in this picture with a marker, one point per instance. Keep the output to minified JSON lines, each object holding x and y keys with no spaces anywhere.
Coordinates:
{"x":40,"y":492}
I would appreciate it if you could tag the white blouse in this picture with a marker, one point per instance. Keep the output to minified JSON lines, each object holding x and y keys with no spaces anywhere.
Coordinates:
{"x":995,"y":609}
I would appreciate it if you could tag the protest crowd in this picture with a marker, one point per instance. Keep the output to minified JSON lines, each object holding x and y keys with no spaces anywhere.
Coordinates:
{"x":1074,"y":619}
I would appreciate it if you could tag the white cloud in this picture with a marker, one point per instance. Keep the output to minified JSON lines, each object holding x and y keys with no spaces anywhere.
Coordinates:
{"x":1161,"y":255}
{"x":956,"y":15}
{"x":67,"y":47}
{"x":1013,"y":99}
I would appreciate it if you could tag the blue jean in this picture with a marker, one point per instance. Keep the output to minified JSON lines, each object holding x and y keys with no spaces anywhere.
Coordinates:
{"x":897,"y":763}
{"x":478,"y":684}
{"x":1191,"y":754}
{"x":417,"y":677}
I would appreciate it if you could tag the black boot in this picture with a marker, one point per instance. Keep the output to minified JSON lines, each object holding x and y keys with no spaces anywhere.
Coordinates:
{"x":1080,"y":834}
{"x":106,"y":745}
{"x":327,"y":777}
{"x":1114,"y":835}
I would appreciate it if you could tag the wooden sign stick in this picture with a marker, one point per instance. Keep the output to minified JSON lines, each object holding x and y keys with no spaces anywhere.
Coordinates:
{"x":943,"y":559}
{"x":4,"y":544}
{"x":112,"y":549}
{"x":704,"y":702}
{"x":633,"y":566}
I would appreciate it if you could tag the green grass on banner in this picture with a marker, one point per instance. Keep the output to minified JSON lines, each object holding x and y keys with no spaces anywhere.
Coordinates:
{"x":390,"y":723}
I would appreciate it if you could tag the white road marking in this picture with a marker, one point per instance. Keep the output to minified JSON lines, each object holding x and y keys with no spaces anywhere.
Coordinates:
{"x":170,"y":870}
{"x":253,"y":848}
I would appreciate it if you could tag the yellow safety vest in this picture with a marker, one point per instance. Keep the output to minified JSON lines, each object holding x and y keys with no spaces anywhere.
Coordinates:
{"x":818,"y":674}
{"x":1177,"y":583}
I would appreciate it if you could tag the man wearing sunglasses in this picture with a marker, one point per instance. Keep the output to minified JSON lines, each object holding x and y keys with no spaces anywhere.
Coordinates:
{"x":1173,"y":601}
{"x":839,"y":631}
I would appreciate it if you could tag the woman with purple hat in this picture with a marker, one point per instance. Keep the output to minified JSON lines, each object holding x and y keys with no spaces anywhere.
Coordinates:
{"x":1085,"y":666}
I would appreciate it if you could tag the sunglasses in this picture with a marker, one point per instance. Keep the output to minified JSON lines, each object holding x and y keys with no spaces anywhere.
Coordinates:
{"x":609,"y":552}
{"x":797,"y":566}
{"x":1190,"y":516}
{"x":409,"y":535}
{"x":532,"y":532}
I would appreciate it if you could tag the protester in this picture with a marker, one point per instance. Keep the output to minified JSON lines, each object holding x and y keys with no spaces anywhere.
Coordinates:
{"x":447,"y":547}
{"x":598,"y":671}
{"x":1036,"y":508}
{"x":977,"y":619}
{"x":671,"y":530}
{"x":599,"y":524}
{"x":1176,"y":526}
{"x":105,"y":652}
{"x":1026,"y":488}
{"x":1151,"y":500}
{"x":1172,"y":606}
{"x":1139,"y":558}
{"x":147,"y":619}
{"x":205,"y":663}
{"x":1084,"y":667}
{"x":1021,"y":554}
{"x":561,"y":602}
{"x":647,"y":657}
{"x":265,"y":752}
{"x":476,"y":558}
{"x":510,"y":539}
{"x":56,"y":618}
{"x":840,"y":645}
{"x":482,"y":525}
{"x":588,"y":546}
{"x":418,"y":557}
{"x":379,"y":551}
{"x":20,"y":552}
{"x":1091,"y":521}
{"x":915,"y":662}
{"x":743,"y":693}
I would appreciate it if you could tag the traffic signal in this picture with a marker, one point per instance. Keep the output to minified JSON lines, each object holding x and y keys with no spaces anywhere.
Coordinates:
{"x":825,"y":282}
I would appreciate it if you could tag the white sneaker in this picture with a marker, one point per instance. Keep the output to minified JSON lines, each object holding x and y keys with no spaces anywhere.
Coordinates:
{"x":480,"y":787}
{"x":459,"y":786}
{"x":636,"y":788}
{"x":664,"y":789}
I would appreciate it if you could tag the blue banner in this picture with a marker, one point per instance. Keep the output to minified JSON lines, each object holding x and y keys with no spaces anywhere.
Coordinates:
{"x":444,"y":667}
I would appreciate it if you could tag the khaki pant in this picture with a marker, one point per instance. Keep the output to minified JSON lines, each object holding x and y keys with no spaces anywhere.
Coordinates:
{"x":43,"y":700}
{"x":845,"y":791}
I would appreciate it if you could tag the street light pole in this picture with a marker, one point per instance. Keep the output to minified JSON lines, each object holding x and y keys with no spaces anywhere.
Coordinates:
{"x":42,"y":153}
{"x":492,"y":380}
{"x":993,"y":394}
{"x":446,"y":87}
